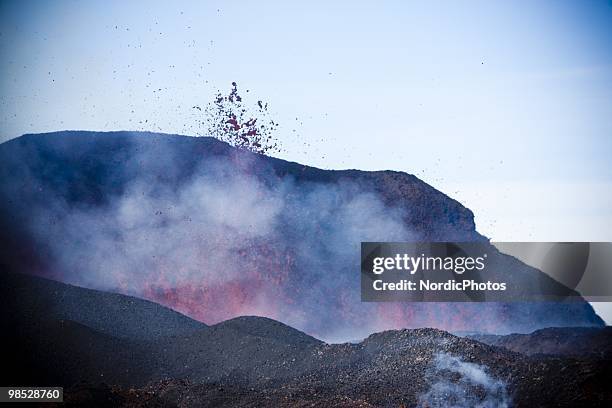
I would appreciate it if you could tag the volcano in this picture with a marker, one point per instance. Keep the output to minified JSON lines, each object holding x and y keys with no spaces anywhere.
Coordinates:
{"x":215,"y":232}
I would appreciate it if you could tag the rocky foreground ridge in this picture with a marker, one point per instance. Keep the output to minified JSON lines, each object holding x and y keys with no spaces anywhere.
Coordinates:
{"x":251,"y":361}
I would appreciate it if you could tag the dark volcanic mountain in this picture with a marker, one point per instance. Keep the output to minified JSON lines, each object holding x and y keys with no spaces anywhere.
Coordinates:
{"x":579,"y":342}
{"x":252,"y":361}
{"x":215,"y":232}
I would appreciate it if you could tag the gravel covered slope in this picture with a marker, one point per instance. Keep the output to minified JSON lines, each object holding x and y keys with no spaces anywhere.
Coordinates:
{"x":116,"y":315}
{"x":253,"y":361}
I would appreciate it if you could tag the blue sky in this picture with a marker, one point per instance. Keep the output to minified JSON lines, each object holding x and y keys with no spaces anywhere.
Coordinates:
{"x":470,"y":96}
{"x":506,"y":106}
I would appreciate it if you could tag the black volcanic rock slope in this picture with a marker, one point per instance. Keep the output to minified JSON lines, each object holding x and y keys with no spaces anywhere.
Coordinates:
{"x":32,"y":298}
{"x":78,"y":341}
{"x":264,"y":327}
{"x":255,"y":361}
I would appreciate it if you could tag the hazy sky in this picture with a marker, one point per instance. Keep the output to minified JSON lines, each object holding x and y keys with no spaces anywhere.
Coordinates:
{"x":505,"y":106}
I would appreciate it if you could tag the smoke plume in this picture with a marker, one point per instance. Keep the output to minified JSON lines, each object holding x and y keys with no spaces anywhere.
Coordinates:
{"x":215,"y":232}
{"x":224,"y":243}
{"x":460,"y":384}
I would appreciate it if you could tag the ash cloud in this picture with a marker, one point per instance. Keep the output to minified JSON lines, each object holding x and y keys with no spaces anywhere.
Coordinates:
{"x":460,"y":384}
{"x":224,"y":243}
{"x":215,"y":233}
